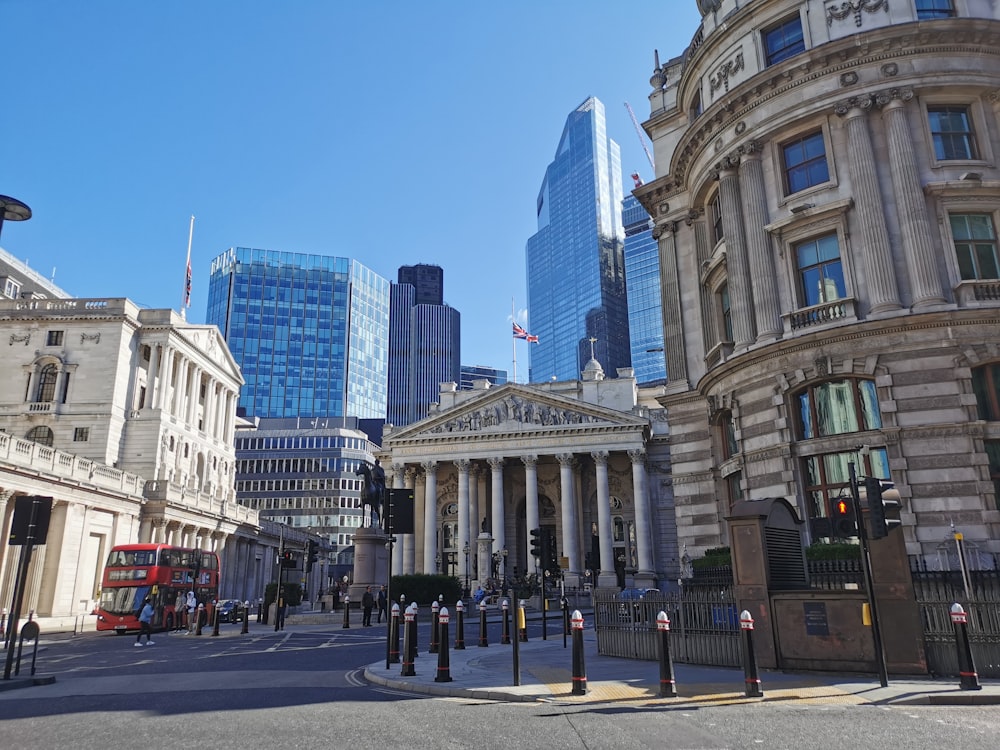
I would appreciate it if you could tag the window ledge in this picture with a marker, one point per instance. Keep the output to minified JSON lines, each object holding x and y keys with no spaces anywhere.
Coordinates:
{"x":718,"y":354}
{"x":834,"y":312}
{"x":811,"y":213}
{"x":978,"y":292}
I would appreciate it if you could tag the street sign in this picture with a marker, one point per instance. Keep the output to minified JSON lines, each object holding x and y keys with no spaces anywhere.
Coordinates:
{"x":30,"y":524}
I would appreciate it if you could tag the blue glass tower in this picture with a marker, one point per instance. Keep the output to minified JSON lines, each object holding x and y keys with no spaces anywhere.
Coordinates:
{"x":425,"y":343}
{"x":645,"y":310}
{"x":575,"y":261}
{"x":310,"y":332}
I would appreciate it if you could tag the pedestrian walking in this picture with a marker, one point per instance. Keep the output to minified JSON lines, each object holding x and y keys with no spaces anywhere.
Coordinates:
{"x":367,"y":604}
{"x":382,"y":604}
{"x":191,"y":603}
{"x":145,"y":623}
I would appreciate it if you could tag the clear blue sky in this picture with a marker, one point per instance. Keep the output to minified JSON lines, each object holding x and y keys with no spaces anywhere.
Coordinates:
{"x":391,"y":132}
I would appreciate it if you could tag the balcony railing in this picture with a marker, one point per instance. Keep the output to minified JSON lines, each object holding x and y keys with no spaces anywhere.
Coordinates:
{"x":828,"y":312}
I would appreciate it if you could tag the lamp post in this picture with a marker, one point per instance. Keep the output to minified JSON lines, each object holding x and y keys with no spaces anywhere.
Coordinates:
{"x":503,"y":553}
{"x":465,"y":591}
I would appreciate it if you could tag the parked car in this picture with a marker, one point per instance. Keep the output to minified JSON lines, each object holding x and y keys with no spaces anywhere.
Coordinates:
{"x":228,"y":610}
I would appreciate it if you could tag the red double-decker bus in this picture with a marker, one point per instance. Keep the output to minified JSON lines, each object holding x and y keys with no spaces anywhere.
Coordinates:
{"x":163,"y":573}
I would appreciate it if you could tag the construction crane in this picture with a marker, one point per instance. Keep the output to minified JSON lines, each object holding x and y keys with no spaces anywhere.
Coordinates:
{"x":642,"y":139}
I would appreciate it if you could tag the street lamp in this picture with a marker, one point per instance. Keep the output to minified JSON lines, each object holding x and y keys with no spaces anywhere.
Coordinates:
{"x":465,"y":549}
{"x":503,"y":553}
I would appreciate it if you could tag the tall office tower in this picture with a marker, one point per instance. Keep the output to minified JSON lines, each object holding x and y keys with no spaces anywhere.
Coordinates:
{"x":425,"y":344}
{"x":642,"y":276}
{"x":310,"y":332}
{"x":575,"y":263}
{"x":427,"y":280}
{"x":481,"y":372}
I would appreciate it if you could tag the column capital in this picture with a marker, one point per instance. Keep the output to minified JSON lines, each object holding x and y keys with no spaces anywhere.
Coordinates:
{"x":666,"y":228}
{"x":429,"y":466}
{"x":854,"y":106}
{"x":530,"y":461}
{"x":600,"y":457}
{"x":751,"y":150}
{"x":495,"y":462}
{"x":463,"y":465}
{"x":638,"y":455}
{"x":895,"y":97}
{"x":565,"y":459}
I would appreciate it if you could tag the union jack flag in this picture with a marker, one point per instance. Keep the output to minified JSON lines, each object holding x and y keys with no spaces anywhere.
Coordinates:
{"x":520,"y":333}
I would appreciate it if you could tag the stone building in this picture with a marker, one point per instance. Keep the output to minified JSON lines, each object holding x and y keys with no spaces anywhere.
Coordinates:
{"x":125,"y":417}
{"x":585,"y":461}
{"x":826,"y":206}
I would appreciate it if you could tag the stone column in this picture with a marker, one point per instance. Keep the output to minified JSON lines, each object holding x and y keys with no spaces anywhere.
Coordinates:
{"x":607,"y":575}
{"x":8,"y":554}
{"x":175,"y":534}
{"x":410,"y":540}
{"x":477,"y":509}
{"x":153,"y":376}
{"x":188,"y":536}
{"x":194,"y":396}
{"x":881,"y":277}
{"x":531,"y":516}
{"x":567,"y":502}
{"x":767,"y":314}
{"x":463,"y":506}
{"x":911,"y":206}
{"x":145,"y":531}
{"x":398,"y":553}
{"x":159,"y":531}
{"x":208,"y":421}
{"x":643,"y":539}
{"x":670,"y":302}
{"x":496,"y":503}
{"x":430,"y":516}
{"x":160,"y":400}
{"x":737,"y":264}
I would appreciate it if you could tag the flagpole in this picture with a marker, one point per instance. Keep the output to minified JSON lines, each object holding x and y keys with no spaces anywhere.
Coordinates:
{"x":513,"y":341}
{"x":186,"y":299}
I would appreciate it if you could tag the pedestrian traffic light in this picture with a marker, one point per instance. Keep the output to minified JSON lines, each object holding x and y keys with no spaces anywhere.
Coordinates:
{"x":312,"y":554}
{"x":536,"y":544}
{"x":882,"y":496}
{"x":287,"y":559}
{"x":844,"y":524}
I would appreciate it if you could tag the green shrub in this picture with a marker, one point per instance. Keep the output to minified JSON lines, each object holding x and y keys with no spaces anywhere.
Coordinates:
{"x":424,"y":589}
{"x":293,"y":594}
{"x":836,"y":551}
{"x":716,"y":557}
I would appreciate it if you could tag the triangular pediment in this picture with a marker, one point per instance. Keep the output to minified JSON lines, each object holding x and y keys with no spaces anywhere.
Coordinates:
{"x":514,"y":409}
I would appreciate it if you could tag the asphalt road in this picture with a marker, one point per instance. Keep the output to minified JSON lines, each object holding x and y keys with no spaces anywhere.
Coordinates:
{"x":303,"y":689}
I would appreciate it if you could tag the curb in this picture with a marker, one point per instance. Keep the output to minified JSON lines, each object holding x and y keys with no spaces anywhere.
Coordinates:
{"x":451,"y":692}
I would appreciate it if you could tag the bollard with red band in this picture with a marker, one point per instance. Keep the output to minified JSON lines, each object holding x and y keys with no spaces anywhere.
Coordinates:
{"x":347,"y":611}
{"x":505,"y":632}
{"x":752,"y":688}
{"x":246,"y":618}
{"x":968,"y":678}
{"x":435,"y":608}
{"x":444,"y":667}
{"x":522,"y":623}
{"x":667,"y":685}
{"x":579,"y":669}
{"x":200,"y":614}
{"x":483,"y":640}
{"x":460,"y":626}
{"x":408,"y":628}
{"x":394,"y":634}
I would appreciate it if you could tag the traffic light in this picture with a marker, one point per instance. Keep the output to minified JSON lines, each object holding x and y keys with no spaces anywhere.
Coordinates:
{"x":882,"y":496}
{"x":288,"y":559}
{"x":548,"y":551}
{"x":844,"y":524}
{"x":312,"y":554}
{"x":536,"y":544}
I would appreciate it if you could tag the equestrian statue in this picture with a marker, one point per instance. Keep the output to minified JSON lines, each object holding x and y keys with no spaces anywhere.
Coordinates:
{"x":373,"y":492}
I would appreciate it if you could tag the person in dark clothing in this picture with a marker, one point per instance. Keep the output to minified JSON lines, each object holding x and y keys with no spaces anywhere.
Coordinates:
{"x":367,"y":603}
{"x":382,"y":603}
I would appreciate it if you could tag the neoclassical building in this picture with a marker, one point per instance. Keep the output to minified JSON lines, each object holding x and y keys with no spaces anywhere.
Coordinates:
{"x":585,"y":461}
{"x":826,"y":206}
{"x":126,"y":418}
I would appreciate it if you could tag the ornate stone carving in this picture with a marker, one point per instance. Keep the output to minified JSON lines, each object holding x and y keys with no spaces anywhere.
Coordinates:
{"x":720,"y":78}
{"x":840,"y":11}
{"x":884,"y":97}
{"x":15,"y":338}
{"x":849,"y":78}
{"x":516,"y":410}
{"x":95,"y":337}
{"x":740,"y":128}
{"x":890,"y":69}
{"x":863,"y":102}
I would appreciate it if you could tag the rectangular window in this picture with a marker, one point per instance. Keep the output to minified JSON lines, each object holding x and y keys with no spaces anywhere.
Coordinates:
{"x":715,"y":208}
{"x":805,"y":162}
{"x":11,"y":289}
{"x":727,"y":313}
{"x":81,"y":434}
{"x":927,"y":9}
{"x":993,"y":454}
{"x":54,"y":338}
{"x":986,"y":386}
{"x":951,"y":133}
{"x":975,"y":241}
{"x":821,"y":274}
{"x":783,"y":40}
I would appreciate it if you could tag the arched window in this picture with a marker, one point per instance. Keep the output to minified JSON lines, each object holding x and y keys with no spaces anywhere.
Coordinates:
{"x":41,"y":435}
{"x":47,"y":378}
{"x":836,"y":407}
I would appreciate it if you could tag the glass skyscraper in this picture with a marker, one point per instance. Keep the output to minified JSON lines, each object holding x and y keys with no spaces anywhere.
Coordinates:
{"x":575,"y":261}
{"x":645,"y":311}
{"x":310,"y":332}
{"x":425,"y":343}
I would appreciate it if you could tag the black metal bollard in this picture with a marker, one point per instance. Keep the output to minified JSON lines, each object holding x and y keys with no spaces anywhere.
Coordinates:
{"x":3,"y":623}
{"x":444,"y":667}
{"x":416,"y":630}
{"x":565,"y":614}
{"x":246,"y":618}
{"x":522,"y":623}
{"x":752,"y":682}
{"x":199,"y":615}
{"x":968,"y":678}
{"x":215,"y":618}
{"x":579,"y":669}
{"x":394,"y":634}
{"x":667,"y":684}
{"x":460,"y":627}
{"x":433,"y":648}
{"x":483,"y":640}
{"x":408,"y":649}
{"x":347,"y":611}
{"x":505,"y":633}
{"x":260,"y":611}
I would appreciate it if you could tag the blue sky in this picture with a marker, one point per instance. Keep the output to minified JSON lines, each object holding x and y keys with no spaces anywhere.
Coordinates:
{"x":391,"y":132}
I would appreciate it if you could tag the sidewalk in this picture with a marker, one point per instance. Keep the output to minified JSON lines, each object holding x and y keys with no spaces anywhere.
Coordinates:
{"x":547,"y":672}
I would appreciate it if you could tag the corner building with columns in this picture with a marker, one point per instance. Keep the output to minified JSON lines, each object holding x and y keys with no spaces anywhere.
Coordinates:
{"x":826,"y":206}
{"x":585,"y":461}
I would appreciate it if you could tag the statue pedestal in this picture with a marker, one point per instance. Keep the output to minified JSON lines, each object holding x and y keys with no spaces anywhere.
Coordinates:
{"x":371,"y":561}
